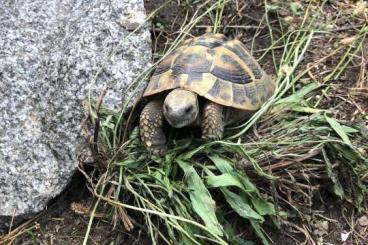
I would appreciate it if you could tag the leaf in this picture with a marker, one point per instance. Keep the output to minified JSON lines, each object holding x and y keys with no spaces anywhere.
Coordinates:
{"x":337,"y":188}
{"x":238,"y":202}
{"x":263,"y":207}
{"x":232,"y":178}
{"x":294,"y":7}
{"x":229,"y":228}
{"x":224,"y":180}
{"x":108,"y":122}
{"x":298,"y":96}
{"x":201,"y":200}
{"x":240,"y":205}
{"x":257,"y":168}
{"x":166,"y":182}
{"x":223,"y":164}
{"x":338,"y":129}
{"x":129,"y":163}
{"x":272,"y":7}
{"x":257,"y":228}
{"x":306,"y":109}
{"x":248,"y":184}
{"x":190,"y":154}
{"x":349,"y":130}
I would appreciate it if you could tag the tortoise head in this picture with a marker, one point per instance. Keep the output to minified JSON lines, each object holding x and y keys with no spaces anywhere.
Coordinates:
{"x":181,"y":108}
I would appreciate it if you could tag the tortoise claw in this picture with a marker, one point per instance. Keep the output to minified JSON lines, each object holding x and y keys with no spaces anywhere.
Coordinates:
{"x":158,"y":150}
{"x":210,"y":137}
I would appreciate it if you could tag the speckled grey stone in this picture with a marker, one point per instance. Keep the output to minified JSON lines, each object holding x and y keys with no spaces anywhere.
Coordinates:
{"x":49,"y":52}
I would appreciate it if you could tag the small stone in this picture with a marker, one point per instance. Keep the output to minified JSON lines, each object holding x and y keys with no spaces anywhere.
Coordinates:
{"x":348,"y":40}
{"x":320,"y":227}
{"x":363,"y":221}
{"x":288,"y":20}
{"x":344,"y":236}
{"x":361,"y":8}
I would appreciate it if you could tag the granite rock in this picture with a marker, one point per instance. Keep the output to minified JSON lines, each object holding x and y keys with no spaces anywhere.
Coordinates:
{"x":50,"y":50}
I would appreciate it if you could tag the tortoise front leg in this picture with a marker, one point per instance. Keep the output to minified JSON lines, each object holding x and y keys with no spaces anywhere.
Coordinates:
{"x":150,"y":125}
{"x":212,"y":121}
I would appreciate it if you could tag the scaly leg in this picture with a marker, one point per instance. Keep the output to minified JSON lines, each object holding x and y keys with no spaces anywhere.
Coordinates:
{"x":212,"y":122}
{"x":150,"y":125}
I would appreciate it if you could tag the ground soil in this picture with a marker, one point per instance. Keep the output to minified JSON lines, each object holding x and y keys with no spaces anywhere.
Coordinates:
{"x":66,"y":220}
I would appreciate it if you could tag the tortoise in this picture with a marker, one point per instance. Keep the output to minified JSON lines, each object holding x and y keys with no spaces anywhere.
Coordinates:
{"x":209,"y":82}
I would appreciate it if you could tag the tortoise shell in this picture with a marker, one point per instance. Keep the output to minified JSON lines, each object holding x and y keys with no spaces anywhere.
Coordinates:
{"x":216,"y":68}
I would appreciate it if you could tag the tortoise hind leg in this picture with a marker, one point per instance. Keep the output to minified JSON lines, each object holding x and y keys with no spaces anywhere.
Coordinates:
{"x":212,"y":122}
{"x":150,"y":125}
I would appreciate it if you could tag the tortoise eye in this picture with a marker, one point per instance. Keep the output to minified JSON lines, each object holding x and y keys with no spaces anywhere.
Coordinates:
{"x":166,"y":108}
{"x":188,"y":109}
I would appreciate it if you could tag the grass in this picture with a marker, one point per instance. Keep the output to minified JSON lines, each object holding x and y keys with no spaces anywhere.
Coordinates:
{"x":264,"y":173}
{"x":192,"y":194}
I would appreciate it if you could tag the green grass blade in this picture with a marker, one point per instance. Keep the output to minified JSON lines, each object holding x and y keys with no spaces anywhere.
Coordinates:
{"x":202,"y":202}
{"x":338,"y":129}
{"x":263,"y":207}
{"x":337,"y":188}
{"x":240,"y":205}
{"x":232,"y":178}
{"x":299,"y":95}
{"x":222,"y":163}
{"x":224,"y":180}
{"x":258,"y":230}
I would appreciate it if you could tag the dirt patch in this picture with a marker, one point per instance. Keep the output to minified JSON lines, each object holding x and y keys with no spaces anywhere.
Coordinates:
{"x":66,"y":221}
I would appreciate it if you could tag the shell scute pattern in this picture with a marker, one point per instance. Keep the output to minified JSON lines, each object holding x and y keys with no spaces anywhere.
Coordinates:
{"x":238,"y":94}
{"x":167,"y":63}
{"x":216,"y":68}
{"x":251,"y":93}
{"x":194,"y":59}
{"x":230,"y":68}
{"x":241,"y":51}
{"x":209,"y":40}
{"x":221,"y":90}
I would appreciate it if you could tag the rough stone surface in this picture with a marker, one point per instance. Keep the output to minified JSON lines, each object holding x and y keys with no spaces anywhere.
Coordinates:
{"x":49,"y":52}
